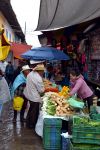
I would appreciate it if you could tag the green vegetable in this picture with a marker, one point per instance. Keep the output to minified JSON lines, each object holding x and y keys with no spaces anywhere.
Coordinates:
{"x":51,"y":108}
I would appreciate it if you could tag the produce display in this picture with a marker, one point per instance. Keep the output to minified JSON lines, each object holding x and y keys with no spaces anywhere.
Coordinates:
{"x":47,"y":82}
{"x":85,"y":121}
{"x":57,"y":103}
{"x":64,"y":92}
{"x":48,"y":86}
{"x":54,"y":104}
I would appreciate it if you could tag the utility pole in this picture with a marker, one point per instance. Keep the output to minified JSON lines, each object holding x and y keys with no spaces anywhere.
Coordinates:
{"x":25,"y":30}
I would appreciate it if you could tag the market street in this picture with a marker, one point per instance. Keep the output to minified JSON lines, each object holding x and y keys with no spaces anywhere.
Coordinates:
{"x":17,"y":136}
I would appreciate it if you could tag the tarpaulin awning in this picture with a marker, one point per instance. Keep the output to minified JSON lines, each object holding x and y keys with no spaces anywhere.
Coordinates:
{"x":4,"y":45}
{"x":19,"y":48}
{"x":56,"y":14}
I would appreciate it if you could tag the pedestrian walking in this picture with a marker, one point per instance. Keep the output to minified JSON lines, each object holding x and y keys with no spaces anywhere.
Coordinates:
{"x":18,"y":88}
{"x":9,"y":71}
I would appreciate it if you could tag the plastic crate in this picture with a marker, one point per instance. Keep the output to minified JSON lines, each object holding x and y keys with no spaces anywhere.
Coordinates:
{"x":83,"y":146}
{"x":90,"y":135}
{"x":93,"y":110}
{"x":87,"y":129}
{"x":83,"y":132}
{"x":95,"y":117}
{"x":52,"y":134}
{"x":93,"y":113}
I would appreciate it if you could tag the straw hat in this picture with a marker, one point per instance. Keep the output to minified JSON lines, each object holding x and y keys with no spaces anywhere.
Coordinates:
{"x":26,"y":67}
{"x":39,"y":67}
{"x":32,"y":62}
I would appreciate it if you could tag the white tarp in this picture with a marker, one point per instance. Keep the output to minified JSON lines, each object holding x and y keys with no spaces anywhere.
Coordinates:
{"x":63,"y":13}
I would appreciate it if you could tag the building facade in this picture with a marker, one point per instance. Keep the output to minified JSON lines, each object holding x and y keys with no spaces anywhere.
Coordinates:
{"x":9,"y":22}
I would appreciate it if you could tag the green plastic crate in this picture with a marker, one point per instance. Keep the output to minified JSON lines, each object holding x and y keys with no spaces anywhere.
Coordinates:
{"x":95,"y":117}
{"x":52,"y":134}
{"x":93,"y":113}
{"x":85,"y":134}
{"x":93,"y":110}
{"x":86,"y":131}
{"x":83,"y":146}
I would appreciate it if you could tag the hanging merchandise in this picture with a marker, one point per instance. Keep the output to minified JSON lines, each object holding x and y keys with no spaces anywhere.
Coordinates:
{"x":70,"y":48}
{"x":81,"y":48}
{"x":83,"y":58}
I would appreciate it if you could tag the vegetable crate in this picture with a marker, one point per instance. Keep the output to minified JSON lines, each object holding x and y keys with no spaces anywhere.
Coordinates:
{"x":86,"y":131}
{"x":52,"y":134}
{"x":74,"y":146}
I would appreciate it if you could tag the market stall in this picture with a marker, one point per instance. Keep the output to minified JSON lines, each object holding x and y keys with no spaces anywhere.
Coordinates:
{"x":56,"y":108}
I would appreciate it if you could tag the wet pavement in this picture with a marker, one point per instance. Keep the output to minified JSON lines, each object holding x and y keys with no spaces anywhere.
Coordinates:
{"x":15,"y":136}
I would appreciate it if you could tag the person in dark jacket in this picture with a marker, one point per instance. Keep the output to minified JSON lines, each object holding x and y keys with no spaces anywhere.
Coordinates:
{"x":9,"y":71}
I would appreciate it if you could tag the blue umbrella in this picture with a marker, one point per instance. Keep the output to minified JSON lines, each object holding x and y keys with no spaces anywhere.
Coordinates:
{"x":45,"y":53}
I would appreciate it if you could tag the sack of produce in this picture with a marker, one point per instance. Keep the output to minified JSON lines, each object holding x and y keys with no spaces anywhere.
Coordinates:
{"x":39,"y":125}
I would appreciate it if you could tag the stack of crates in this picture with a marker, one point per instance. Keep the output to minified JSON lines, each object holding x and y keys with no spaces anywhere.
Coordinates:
{"x":85,"y":136}
{"x":52,"y":133}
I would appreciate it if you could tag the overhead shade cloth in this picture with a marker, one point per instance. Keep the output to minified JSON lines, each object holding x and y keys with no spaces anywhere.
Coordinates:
{"x":19,"y":48}
{"x":4,"y":45}
{"x":45,"y":53}
{"x":63,"y":13}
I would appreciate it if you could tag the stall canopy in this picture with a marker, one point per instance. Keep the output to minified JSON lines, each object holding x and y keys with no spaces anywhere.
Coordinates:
{"x":4,"y":45}
{"x":56,"y":14}
{"x":45,"y":53}
{"x":19,"y":48}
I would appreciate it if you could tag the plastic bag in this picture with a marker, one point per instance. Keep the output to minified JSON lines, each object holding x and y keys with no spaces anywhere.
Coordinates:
{"x":39,"y":125}
{"x":74,"y":103}
{"x":18,"y":103}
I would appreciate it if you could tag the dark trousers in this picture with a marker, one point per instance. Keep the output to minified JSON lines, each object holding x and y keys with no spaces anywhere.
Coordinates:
{"x":89,"y":101}
{"x":32,"y":115}
{"x":22,"y":110}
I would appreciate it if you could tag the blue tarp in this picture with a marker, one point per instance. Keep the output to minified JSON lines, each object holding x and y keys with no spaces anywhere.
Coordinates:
{"x":45,"y":53}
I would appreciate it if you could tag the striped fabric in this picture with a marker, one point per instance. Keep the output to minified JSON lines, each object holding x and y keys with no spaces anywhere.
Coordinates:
{"x":52,"y":134}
